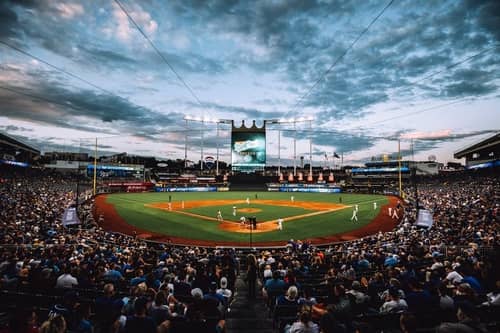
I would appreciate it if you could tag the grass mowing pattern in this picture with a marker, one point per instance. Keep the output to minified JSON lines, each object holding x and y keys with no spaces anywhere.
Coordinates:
{"x":131,"y":207}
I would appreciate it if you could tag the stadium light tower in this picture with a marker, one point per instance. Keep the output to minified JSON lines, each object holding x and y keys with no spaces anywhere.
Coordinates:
{"x":293,"y":121}
{"x":220,"y":121}
{"x":203,"y":121}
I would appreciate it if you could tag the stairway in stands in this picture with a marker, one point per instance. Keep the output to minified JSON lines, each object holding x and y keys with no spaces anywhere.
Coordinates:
{"x":246,"y":315}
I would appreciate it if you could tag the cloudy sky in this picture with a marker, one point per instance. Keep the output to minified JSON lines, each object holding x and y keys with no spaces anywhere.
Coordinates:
{"x":369,"y":72}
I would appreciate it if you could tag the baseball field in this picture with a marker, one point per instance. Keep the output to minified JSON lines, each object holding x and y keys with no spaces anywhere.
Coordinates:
{"x":215,"y":218}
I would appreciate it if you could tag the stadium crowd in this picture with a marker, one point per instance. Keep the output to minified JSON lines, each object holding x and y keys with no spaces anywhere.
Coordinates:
{"x":91,"y":280}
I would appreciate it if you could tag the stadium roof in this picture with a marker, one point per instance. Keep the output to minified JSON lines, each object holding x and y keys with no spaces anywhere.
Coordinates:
{"x":5,"y":139}
{"x":483,"y":144}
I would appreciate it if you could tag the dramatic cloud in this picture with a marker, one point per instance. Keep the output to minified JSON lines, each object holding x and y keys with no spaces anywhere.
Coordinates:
{"x":255,"y":60}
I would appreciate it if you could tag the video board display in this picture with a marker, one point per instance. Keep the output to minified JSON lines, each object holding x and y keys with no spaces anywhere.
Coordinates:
{"x":248,"y":149}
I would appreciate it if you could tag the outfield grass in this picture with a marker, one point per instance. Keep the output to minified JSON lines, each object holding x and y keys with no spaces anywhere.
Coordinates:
{"x":131,"y":207}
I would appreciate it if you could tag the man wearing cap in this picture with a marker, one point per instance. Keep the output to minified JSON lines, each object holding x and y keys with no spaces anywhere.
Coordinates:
{"x":359,"y":296}
{"x":213,"y":295}
{"x":223,"y":289}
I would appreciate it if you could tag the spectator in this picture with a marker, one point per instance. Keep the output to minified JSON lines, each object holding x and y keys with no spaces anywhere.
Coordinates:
{"x":418,"y":299}
{"x":408,"y":323}
{"x":252,"y":269}
{"x":159,"y":310}
{"x":83,"y":323}
{"x":307,"y":299}
{"x":55,"y":324}
{"x":304,"y":324}
{"x":468,"y":321}
{"x":140,"y":322}
{"x":66,"y":280}
{"x":275,"y":286}
{"x":223,"y":290}
{"x":106,"y":308}
{"x":290,"y":298}
{"x":395,"y":304}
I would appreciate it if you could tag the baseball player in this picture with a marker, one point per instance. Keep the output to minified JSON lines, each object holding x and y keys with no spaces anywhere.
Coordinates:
{"x":354,"y":215}
{"x":280,"y":224}
{"x":292,"y":199}
{"x":234,"y":210}
{"x":248,"y":200}
{"x":374,"y":205}
{"x":395,"y":214}
{"x":356,"y":207}
{"x":219,"y":216}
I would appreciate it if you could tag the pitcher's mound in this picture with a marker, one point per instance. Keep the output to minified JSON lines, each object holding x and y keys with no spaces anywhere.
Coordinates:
{"x":249,"y":210}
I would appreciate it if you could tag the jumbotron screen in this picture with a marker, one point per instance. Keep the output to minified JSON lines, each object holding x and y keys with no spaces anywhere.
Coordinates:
{"x":248,"y":150}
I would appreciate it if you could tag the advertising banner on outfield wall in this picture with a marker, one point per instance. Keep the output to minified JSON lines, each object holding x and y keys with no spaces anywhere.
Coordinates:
{"x":311,"y":190}
{"x":187,"y":189}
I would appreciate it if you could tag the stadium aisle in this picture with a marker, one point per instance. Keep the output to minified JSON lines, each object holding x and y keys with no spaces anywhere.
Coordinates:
{"x":247,"y":315}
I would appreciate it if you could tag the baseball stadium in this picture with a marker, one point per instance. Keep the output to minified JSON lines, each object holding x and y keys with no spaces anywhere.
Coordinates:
{"x":241,"y":166}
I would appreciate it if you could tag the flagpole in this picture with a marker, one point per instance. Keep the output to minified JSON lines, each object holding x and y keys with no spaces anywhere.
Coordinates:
{"x":95,"y":167}
{"x":310,"y":148}
{"x":279,"y":152}
{"x":399,"y":167}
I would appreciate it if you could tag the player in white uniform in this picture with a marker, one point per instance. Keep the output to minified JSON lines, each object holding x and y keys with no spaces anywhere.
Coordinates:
{"x":234,"y":210}
{"x":374,"y":205}
{"x":248,"y":200}
{"x":354,"y":215}
{"x":356,"y":207}
{"x":292,"y":199}
{"x":242,"y":221}
{"x":280,"y":224}
{"x":219,"y":216}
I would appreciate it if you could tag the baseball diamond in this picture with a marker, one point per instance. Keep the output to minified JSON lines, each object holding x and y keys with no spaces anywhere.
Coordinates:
{"x":191,"y":217}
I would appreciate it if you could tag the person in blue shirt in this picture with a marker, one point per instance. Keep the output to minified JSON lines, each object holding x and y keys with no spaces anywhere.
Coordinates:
{"x":140,"y":322}
{"x":212,"y":294}
{"x":275,"y":285}
{"x":139,"y":278}
{"x":113,"y":275}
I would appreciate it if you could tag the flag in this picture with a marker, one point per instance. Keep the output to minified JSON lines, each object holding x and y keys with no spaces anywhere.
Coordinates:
{"x":336,"y":155}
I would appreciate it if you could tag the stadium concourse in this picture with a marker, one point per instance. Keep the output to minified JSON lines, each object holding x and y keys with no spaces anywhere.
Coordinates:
{"x":57,"y":279}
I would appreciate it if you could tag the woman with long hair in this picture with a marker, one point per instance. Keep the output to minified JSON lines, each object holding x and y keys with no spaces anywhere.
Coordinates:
{"x":252,"y":269}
